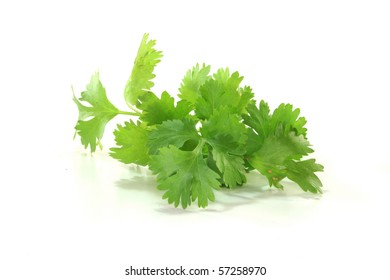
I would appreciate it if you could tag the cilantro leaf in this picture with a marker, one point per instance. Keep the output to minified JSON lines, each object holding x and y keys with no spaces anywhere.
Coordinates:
{"x":92,"y":120}
{"x":141,"y":77}
{"x":192,"y":82}
{"x":303,"y":173}
{"x":155,"y":110}
{"x":230,"y":82}
{"x":184,"y":176}
{"x":226,"y":135}
{"x":222,"y":122}
{"x":246,"y":97}
{"x":172,"y":132}
{"x":253,"y":143}
{"x":258,"y":119}
{"x":266,"y":124}
{"x":212,"y":97}
{"x":132,"y":139}
{"x":263,"y":124}
{"x":276,"y":144}
{"x":279,"y":158}
{"x":287,"y":147}
{"x":231,"y":166}
{"x":222,"y":91}
{"x":286,"y":115}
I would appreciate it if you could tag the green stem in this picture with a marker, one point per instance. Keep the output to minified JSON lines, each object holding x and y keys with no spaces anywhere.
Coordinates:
{"x":136,"y":110}
{"x":133,"y":108}
{"x":130,"y":113}
{"x":199,"y":147}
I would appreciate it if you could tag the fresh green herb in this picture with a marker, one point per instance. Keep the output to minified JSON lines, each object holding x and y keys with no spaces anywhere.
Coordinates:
{"x":209,"y":139}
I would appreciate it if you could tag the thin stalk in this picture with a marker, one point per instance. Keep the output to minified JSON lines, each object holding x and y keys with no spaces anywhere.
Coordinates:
{"x":129,"y":113}
{"x":133,"y":108}
{"x":199,"y":147}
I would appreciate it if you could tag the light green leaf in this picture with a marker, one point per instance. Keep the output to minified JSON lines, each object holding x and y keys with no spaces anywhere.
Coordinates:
{"x":222,"y":91}
{"x":279,"y":158}
{"x":141,"y":77}
{"x":231,"y":82}
{"x":266,"y":124}
{"x":231,"y":167}
{"x":259,"y":120}
{"x":93,"y":119}
{"x":286,"y":115}
{"x":226,"y":135}
{"x":246,"y":97}
{"x":225,"y":129}
{"x":192,"y":82}
{"x":184,"y":176}
{"x":132,"y":140}
{"x":172,"y":132}
{"x":302,"y":172}
{"x":155,"y":110}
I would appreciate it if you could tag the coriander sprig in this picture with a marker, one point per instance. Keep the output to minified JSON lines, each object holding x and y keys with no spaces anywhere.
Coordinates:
{"x":211,"y":138}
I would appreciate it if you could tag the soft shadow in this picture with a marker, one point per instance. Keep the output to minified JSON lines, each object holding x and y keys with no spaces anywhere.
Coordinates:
{"x":139,"y":183}
{"x":170,"y":209}
{"x":254,"y":191}
{"x":255,"y":194}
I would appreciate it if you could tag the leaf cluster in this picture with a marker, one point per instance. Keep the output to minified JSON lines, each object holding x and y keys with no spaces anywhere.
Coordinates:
{"x":211,"y":138}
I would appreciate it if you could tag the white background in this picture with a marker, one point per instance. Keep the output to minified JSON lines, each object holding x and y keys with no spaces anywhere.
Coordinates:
{"x":68,"y":215}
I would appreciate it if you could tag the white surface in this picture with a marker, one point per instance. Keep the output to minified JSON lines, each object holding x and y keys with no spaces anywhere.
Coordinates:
{"x":68,"y":215}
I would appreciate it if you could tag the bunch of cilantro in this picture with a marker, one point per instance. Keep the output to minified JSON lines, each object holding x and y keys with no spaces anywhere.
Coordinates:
{"x":211,"y":138}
